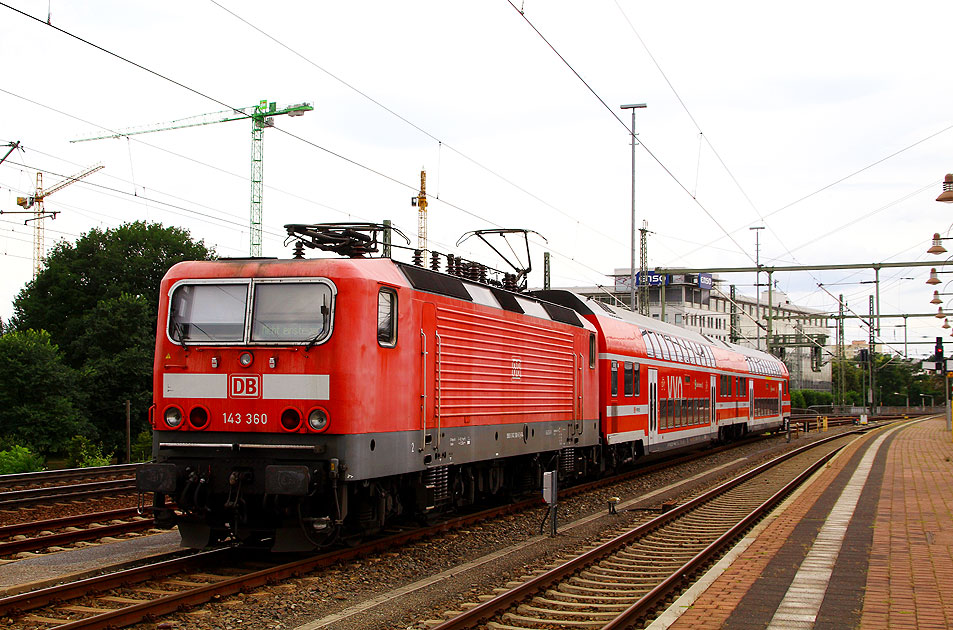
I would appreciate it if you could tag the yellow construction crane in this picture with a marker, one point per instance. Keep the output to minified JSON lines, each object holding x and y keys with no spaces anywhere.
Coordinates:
{"x":35,"y":201}
{"x":421,"y":202}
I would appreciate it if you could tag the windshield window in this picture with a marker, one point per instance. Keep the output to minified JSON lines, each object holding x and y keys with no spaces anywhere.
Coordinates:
{"x":208,"y":312}
{"x":291,"y":311}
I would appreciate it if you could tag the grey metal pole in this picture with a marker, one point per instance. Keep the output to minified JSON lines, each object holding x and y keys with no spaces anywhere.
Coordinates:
{"x":767,"y":336}
{"x":871,"y":344}
{"x":946,"y":394}
{"x":632,"y":307}
{"x":906,"y":355}
{"x":877,"y":288}
{"x":387,"y":238}
{"x":757,"y":280}
{"x":128,"y":433}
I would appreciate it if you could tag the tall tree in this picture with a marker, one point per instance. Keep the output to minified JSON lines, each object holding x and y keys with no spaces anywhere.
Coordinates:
{"x":100,"y":265}
{"x":98,"y":299}
{"x":40,"y":396}
{"x":115,"y":348}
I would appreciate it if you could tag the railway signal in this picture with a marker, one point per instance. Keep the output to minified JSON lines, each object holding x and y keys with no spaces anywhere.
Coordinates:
{"x":938,"y":356}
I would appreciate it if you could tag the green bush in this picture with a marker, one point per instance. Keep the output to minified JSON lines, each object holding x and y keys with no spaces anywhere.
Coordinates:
{"x":814,"y":398}
{"x":142,"y":447}
{"x":81,"y":453}
{"x":797,"y":399}
{"x":19,"y":459}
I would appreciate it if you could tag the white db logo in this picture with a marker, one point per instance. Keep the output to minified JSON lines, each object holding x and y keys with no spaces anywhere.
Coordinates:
{"x":244,"y":386}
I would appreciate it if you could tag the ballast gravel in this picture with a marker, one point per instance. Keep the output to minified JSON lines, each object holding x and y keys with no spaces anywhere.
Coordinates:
{"x":366,"y":594}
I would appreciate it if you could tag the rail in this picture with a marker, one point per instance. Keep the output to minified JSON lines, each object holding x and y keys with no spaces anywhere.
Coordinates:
{"x":638,"y":610}
{"x":47,"y":476}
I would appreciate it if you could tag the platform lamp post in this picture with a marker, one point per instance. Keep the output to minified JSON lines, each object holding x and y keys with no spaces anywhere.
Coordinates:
{"x":945,"y":197}
{"x":940,"y":359}
{"x":633,"y":107}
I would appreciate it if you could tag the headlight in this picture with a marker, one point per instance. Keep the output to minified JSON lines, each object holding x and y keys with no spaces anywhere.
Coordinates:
{"x":173,"y":417}
{"x":318,"y":419}
{"x":245,"y":359}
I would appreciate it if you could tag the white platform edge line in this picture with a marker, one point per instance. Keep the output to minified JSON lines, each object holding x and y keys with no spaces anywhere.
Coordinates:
{"x":688,"y":598}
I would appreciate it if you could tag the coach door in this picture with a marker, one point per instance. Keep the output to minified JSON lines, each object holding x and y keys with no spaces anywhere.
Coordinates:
{"x":713,"y":401}
{"x":653,"y":406}
{"x":780,"y":399}
{"x":750,"y":401}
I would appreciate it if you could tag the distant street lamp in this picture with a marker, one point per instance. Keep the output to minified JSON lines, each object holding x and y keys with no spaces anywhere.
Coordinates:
{"x":937,"y":247}
{"x":947,"y":195}
{"x":907,"y":394}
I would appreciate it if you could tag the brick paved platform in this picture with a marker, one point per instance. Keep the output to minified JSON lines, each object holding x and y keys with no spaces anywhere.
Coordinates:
{"x":867,"y":544}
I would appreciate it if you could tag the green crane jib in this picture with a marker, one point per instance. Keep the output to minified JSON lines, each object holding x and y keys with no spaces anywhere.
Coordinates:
{"x":262,"y":117}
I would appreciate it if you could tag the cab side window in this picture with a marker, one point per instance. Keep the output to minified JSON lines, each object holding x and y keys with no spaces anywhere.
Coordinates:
{"x":387,"y":318}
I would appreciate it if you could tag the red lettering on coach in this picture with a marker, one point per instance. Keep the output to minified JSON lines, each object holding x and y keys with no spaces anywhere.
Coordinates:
{"x":244,"y":386}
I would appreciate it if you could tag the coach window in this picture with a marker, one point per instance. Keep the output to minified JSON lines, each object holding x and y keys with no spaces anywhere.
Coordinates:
{"x":387,"y":318}
{"x":592,"y":350}
{"x":628,"y":375}
{"x":614,"y":379}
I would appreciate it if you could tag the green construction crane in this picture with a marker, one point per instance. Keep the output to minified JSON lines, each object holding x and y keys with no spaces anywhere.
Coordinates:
{"x":262,"y":117}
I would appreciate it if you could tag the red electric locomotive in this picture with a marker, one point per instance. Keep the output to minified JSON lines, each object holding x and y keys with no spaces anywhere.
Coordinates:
{"x":298,"y":399}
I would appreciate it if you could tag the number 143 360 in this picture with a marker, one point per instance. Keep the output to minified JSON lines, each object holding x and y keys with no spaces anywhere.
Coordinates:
{"x":248,"y":419}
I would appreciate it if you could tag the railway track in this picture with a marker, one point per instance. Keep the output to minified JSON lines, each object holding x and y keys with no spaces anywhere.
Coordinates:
{"x":13,"y":499}
{"x":37,"y":479}
{"x":621,"y":582}
{"x":54,"y":533}
{"x":126,"y":597}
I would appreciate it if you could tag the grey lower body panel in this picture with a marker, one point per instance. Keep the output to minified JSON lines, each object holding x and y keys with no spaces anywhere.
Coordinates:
{"x":375,"y":455}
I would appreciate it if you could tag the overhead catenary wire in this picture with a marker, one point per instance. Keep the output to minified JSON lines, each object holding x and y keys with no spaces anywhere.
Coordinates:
{"x":441,"y":144}
{"x":762,"y":218}
{"x":641,"y":141}
{"x":412,"y":188}
{"x":239,"y":111}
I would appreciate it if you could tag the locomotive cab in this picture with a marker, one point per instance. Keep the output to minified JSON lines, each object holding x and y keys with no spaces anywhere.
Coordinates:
{"x":233,"y":358}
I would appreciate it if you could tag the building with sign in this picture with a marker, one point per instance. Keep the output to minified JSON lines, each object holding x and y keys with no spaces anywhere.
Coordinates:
{"x":704,"y":304}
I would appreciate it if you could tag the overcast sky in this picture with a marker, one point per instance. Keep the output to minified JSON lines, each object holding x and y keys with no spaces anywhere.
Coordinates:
{"x":831,"y":124}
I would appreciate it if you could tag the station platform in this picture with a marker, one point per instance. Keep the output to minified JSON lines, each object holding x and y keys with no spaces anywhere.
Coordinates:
{"x":866,"y":543}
